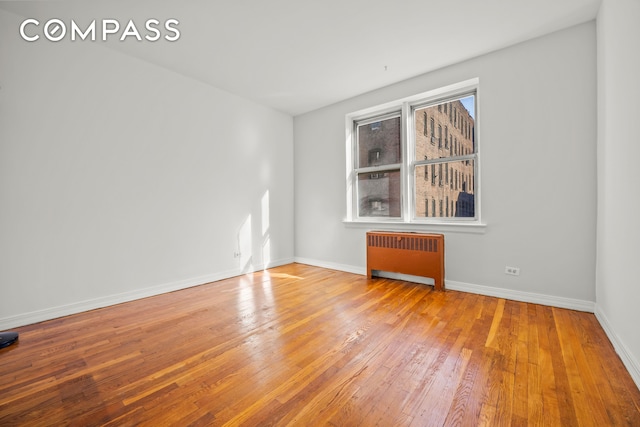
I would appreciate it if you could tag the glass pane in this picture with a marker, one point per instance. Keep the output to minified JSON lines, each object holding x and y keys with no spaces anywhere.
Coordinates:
{"x":379,"y":194}
{"x":445,"y":130}
{"x":379,"y":143}
{"x":445,"y":190}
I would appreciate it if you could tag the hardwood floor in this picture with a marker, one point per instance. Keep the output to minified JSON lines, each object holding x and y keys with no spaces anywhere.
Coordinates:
{"x":304,"y":346}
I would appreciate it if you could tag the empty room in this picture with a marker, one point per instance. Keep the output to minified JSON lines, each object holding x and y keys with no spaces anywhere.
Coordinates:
{"x":344,"y":213}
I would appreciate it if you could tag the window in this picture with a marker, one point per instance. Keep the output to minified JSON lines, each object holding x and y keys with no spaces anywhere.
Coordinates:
{"x":433,"y":131}
{"x":378,"y":167}
{"x":397,"y":172}
{"x":425,"y":123}
{"x":374,"y":156}
{"x":446,"y":134}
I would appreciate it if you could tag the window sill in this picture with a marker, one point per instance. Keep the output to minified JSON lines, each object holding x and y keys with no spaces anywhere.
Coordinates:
{"x":462,"y":227}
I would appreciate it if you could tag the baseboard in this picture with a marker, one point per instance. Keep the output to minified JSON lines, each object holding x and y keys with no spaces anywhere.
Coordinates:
{"x":92,"y":304}
{"x":550,"y":300}
{"x":629,"y":361}
{"x":332,"y":265}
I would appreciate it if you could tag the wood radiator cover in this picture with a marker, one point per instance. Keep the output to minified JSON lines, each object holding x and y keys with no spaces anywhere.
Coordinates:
{"x":417,"y":254}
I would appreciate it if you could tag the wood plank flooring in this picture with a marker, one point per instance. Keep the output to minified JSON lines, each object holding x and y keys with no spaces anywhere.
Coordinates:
{"x":304,"y":346}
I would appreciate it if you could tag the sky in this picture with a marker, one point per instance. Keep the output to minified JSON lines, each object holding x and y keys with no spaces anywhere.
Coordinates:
{"x":469,"y":105}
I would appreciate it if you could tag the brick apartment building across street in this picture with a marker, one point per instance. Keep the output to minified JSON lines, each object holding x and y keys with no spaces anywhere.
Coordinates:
{"x":444,"y":182}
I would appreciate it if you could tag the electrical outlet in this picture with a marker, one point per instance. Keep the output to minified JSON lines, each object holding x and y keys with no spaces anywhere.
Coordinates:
{"x":513,"y":271}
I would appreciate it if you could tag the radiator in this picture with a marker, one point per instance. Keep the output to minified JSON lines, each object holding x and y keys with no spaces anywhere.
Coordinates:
{"x":417,"y":254}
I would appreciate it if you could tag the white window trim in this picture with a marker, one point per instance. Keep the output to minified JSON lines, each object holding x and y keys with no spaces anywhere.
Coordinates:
{"x":407,"y":220}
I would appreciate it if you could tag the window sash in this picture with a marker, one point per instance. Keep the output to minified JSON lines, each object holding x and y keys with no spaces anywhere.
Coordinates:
{"x":451,"y":181}
{"x":358,"y":171}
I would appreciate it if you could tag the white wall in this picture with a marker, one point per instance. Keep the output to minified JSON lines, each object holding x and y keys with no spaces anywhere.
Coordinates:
{"x":537,"y":133}
{"x":119,"y":179}
{"x":618,"y":268}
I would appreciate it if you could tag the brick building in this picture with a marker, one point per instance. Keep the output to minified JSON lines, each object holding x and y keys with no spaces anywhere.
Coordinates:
{"x":380,"y":144}
{"x":444,"y":188}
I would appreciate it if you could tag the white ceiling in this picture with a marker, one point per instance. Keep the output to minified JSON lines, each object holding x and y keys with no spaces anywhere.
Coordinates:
{"x":300,"y":55}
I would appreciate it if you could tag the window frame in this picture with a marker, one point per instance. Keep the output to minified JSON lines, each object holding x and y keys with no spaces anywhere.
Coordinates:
{"x":389,"y":167}
{"x":406,"y":108}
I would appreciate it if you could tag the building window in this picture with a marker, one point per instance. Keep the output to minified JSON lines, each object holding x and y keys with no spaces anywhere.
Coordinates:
{"x":446,"y":136}
{"x":426,"y":171}
{"x":425,"y":124}
{"x":433,"y":131}
{"x":374,"y":156}
{"x":376,"y":205}
{"x":451,"y":180}
{"x":433,"y":174}
{"x":396,"y":145}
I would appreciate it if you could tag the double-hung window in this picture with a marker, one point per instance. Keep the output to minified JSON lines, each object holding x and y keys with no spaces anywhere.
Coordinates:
{"x":379,"y":171}
{"x":403,"y":168}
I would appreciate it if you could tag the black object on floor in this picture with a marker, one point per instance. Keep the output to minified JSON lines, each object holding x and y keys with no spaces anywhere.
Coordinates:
{"x":8,"y":338}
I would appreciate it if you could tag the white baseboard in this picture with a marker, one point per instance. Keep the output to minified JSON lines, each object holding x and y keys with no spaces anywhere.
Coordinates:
{"x":332,"y":265}
{"x":92,"y":304}
{"x":630,"y":362}
{"x":550,"y":300}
